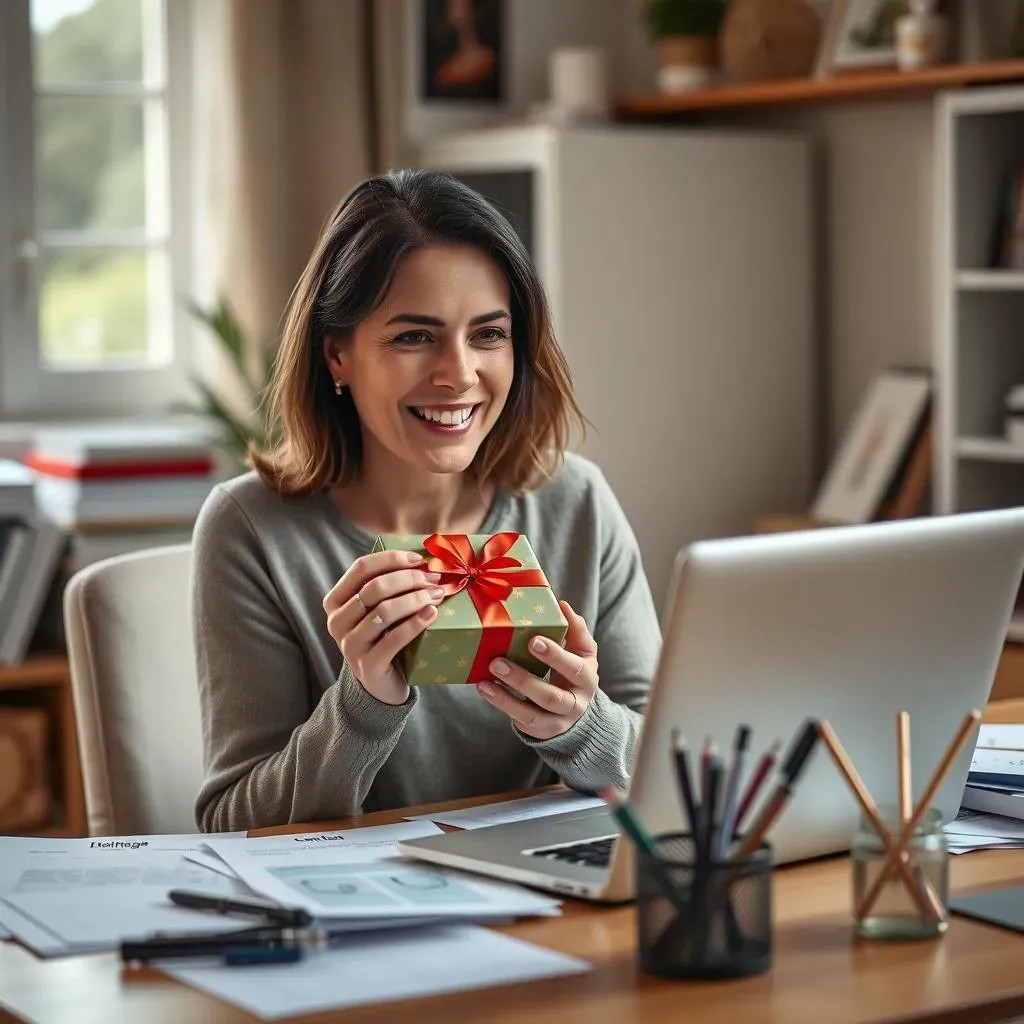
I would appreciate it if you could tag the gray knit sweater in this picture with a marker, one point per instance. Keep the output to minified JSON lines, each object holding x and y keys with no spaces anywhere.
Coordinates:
{"x":290,"y":735}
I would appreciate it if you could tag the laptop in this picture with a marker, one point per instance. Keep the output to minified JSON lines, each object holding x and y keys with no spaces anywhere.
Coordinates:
{"x":847,"y":623}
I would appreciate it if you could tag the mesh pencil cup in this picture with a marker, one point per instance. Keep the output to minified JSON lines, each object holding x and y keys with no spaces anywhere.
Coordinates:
{"x":704,"y":922}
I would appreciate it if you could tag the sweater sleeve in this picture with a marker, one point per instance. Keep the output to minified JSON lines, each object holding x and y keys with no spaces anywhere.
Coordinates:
{"x":273,"y":753}
{"x":599,"y":749}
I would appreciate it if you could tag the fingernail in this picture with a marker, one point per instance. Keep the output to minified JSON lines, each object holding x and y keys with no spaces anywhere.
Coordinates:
{"x":436,"y":593}
{"x":429,"y":612}
{"x":499,"y":667}
{"x":431,"y":577}
{"x":486,"y":689}
{"x":539,"y":644}
{"x":413,"y":557}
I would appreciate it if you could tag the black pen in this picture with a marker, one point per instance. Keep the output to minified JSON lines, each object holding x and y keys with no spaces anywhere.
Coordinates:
{"x":732,"y":787}
{"x":792,"y":768}
{"x":287,"y":917}
{"x":167,"y":947}
{"x":682,"y":763}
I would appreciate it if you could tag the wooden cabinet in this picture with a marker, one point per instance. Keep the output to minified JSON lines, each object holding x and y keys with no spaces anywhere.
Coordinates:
{"x":45,"y":681}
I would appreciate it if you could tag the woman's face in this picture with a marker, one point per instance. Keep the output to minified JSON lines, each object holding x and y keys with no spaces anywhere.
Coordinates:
{"x":430,"y":369}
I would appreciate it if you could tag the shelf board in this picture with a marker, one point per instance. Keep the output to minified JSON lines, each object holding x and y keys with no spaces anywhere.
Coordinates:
{"x":990,"y":280}
{"x":990,"y":449}
{"x":37,"y":670}
{"x":848,"y":85}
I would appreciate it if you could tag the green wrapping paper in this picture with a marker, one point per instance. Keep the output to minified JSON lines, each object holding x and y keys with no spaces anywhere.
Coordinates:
{"x":498,"y":601}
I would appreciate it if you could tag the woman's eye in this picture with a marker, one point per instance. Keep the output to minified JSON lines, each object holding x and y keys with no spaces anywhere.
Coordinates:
{"x":490,"y":335}
{"x":413,"y":338}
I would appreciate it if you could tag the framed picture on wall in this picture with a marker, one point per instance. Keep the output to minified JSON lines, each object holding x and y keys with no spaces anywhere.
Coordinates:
{"x":462,"y":44}
{"x":874,"y":447}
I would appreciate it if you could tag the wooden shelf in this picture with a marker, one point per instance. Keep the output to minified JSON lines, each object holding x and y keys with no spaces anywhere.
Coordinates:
{"x":989,"y":449}
{"x":847,"y":85}
{"x":50,"y":677}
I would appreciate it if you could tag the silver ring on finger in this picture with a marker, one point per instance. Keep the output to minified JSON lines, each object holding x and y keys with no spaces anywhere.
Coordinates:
{"x":359,"y":598}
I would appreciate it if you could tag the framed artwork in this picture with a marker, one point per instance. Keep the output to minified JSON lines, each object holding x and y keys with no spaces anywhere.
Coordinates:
{"x":462,"y":44}
{"x":874,"y":448}
{"x":860,"y":34}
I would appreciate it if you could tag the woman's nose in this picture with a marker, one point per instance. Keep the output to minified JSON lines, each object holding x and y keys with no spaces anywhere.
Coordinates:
{"x":455,"y":369}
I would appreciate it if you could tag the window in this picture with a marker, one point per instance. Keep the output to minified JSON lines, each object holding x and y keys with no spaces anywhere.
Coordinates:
{"x":94,"y":249}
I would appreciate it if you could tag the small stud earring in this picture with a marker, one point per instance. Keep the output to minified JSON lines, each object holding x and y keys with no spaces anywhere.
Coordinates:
{"x":337,"y":387}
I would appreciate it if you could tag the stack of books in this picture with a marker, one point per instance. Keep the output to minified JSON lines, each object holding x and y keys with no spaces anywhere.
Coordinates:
{"x":122,"y":475}
{"x":31,"y":550}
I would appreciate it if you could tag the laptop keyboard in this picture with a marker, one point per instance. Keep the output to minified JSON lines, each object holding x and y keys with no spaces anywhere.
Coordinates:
{"x":593,"y":853}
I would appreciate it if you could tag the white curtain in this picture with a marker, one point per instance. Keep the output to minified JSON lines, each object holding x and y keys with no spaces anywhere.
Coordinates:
{"x":297,"y":101}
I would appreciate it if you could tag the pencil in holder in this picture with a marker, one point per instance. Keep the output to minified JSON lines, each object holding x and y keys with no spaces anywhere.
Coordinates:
{"x":703,"y":919}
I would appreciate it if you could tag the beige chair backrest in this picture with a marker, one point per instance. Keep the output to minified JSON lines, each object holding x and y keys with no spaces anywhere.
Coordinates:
{"x":130,"y":649}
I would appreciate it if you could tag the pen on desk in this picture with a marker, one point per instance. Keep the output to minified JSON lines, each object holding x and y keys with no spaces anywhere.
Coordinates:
{"x":732,"y":785}
{"x":682,"y":764}
{"x":166,"y":947}
{"x":705,"y":761}
{"x":750,"y":794}
{"x":710,"y":808}
{"x":792,"y":767}
{"x":288,"y":917}
{"x":626,"y":817}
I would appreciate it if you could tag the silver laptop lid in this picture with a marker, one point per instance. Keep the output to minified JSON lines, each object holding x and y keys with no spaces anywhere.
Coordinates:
{"x":849,"y":624}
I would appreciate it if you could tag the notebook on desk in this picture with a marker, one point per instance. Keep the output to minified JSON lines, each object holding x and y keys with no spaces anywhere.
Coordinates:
{"x":852,"y":624}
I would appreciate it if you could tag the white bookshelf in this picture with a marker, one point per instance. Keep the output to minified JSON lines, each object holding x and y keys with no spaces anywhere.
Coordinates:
{"x":979,"y":310}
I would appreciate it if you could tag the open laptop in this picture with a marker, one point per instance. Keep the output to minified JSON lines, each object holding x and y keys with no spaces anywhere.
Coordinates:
{"x":850,"y":624}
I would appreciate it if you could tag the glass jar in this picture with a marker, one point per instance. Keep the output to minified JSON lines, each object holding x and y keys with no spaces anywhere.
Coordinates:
{"x":896,"y":914}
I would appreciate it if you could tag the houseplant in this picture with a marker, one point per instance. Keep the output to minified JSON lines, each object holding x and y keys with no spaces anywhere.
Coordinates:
{"x":686,"y":34}
{"x":234,"y":428}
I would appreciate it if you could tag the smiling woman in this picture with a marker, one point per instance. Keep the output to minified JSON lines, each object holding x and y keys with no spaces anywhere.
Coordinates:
{"x":418,"y":389}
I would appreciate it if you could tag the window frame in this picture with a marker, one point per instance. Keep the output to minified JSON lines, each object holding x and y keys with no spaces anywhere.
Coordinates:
{"x":28,"y":387}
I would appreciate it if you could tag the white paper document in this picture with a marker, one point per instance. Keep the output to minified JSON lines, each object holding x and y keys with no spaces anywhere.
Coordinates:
{"x":976,"y":830}
{"x":512,"y":810}
{"x":378,"y":967}
{"x":358,"y":875}
{"x":86,"y":894}
{"x":1001,"y":737}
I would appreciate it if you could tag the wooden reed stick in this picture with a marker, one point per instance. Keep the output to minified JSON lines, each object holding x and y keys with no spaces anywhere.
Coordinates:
{"x":906,"y":800}
{"x":923,"y":894}
{"x":907,"y":833}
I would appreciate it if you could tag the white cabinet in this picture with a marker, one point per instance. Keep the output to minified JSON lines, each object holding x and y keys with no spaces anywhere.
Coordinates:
{"x":680,"y":271}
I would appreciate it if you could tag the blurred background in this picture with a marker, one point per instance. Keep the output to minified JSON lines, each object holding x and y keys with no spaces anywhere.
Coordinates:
{"x":782,"y":241}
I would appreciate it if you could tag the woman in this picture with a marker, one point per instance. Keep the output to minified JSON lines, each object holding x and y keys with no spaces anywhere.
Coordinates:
{"x":417,"y":389}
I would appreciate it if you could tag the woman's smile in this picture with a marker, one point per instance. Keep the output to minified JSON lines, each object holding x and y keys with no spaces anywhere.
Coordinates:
{"x":445,"y":420}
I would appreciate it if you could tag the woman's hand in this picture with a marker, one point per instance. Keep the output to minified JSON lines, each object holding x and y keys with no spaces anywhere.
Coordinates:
{"x":381,"y":604}
{"x":552,"y":707}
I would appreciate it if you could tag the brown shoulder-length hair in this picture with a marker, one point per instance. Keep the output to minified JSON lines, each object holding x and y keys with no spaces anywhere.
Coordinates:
{"x":316,"y":434}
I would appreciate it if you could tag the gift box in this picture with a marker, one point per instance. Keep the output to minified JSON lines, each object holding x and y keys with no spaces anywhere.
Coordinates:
{"x":496,"y":600}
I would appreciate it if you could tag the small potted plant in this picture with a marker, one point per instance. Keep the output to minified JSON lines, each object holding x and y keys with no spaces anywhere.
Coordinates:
{"x":686,"y":33}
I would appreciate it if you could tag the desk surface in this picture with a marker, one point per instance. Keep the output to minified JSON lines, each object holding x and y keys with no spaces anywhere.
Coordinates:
{"x":820,"y":973}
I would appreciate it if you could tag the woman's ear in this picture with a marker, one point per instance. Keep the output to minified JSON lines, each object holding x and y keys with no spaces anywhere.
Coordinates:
{"x":333,"y":356}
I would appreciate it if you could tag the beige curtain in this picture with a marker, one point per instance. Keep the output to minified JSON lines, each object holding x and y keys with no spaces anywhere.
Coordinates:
{"x":304,"y":101}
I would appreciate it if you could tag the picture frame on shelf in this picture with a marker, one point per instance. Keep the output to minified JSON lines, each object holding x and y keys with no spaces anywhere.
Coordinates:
{"x":859,"y":34}
{"x":880,"y":439}
{"x":462,"y":50}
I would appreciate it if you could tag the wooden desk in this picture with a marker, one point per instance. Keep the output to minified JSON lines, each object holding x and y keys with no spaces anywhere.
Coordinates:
{"x":821,"y":973}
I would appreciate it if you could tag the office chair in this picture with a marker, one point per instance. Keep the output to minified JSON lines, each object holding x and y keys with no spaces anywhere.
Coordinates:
{"x":129,"y":637}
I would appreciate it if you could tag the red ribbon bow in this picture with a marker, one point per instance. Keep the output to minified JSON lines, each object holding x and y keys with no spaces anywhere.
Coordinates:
{"x":489,"y":578}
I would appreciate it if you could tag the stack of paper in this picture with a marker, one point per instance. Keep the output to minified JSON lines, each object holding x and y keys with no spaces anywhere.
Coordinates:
{"x":62,"y":896}
{"x":975,"y":830}
{"x":355,"y":877}
{"x":486,"y":815}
